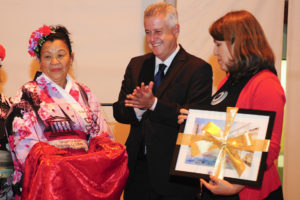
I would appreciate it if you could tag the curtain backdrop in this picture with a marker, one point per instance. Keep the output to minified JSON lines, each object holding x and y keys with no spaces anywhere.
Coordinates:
{"x":291,"y":173}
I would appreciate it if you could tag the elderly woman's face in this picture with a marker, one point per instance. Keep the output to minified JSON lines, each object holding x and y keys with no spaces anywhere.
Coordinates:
{"x":222,"y":52}
{"x":56,"y":61}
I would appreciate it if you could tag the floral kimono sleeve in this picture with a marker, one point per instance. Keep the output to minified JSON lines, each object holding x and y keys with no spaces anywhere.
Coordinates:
{"x":98,"y":125}
{"x":24,"y":136}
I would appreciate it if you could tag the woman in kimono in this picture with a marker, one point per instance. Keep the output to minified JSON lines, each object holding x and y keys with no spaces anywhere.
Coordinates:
{"x":62,"y":146}
{"x":251,"y":83}
{"x":6,"y":164}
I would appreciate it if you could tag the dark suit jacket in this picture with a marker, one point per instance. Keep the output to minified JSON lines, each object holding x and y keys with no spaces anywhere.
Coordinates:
{"x":187,"y":81}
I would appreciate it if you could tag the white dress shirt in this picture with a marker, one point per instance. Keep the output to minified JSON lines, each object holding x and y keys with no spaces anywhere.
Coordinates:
{"x":139,"y":112}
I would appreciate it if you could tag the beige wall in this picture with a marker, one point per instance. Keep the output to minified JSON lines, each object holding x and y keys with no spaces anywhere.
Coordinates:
{"x":196,"y":17}
{"x":291,"y":173}
{"x":105,"y":34}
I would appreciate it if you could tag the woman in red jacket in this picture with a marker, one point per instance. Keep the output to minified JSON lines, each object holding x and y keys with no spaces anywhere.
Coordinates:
{"x":251,"y":83}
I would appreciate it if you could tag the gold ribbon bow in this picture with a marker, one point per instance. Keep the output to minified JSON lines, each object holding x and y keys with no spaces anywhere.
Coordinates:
{"x":229,"y":146}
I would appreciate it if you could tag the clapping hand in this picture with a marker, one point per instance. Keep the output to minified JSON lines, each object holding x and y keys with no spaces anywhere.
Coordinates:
{"x":141,"y":97}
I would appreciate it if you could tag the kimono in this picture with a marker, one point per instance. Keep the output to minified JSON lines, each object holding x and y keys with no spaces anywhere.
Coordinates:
{"x":6,"y":164}
{"x":62,"y":146}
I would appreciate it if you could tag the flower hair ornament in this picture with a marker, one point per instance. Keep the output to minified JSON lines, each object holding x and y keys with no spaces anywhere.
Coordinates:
{"x":2,"y":54}
{"x":37,"y":40}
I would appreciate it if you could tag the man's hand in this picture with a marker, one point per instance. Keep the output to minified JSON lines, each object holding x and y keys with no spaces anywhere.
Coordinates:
{"x":183,"y":115}
{"x":142,"y":97}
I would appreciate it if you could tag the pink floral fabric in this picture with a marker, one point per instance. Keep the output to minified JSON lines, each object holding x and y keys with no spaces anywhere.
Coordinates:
{"x":41,"y":113}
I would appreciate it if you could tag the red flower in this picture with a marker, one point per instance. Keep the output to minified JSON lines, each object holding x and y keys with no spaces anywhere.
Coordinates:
{"x":2,"y":52}
{"x":45,"y":30}
{"x":37,"y":38}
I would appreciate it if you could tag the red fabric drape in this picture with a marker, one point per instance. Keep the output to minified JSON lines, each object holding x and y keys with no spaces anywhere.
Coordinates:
{"x":52,"y":173}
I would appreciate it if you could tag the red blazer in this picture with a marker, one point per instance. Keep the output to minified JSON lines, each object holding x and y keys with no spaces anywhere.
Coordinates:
{"x":264,"y":92}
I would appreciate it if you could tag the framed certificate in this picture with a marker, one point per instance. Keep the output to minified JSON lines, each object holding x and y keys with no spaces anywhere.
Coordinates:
{"x":230,"y":144}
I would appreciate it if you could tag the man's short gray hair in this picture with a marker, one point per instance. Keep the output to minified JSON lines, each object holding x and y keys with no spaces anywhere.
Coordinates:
{"x":162,"y":8}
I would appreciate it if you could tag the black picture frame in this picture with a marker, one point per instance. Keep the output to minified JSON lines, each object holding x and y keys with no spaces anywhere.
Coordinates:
{"x":260,"y":121}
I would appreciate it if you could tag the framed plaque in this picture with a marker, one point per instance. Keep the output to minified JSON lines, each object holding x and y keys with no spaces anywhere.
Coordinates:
{"x":231,"y":144}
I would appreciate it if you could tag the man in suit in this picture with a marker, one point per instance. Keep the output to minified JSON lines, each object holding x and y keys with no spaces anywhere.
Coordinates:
{"x":149,"y":101}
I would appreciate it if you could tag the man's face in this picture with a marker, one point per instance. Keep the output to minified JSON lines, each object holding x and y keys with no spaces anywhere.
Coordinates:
{"x":161,"y":38}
